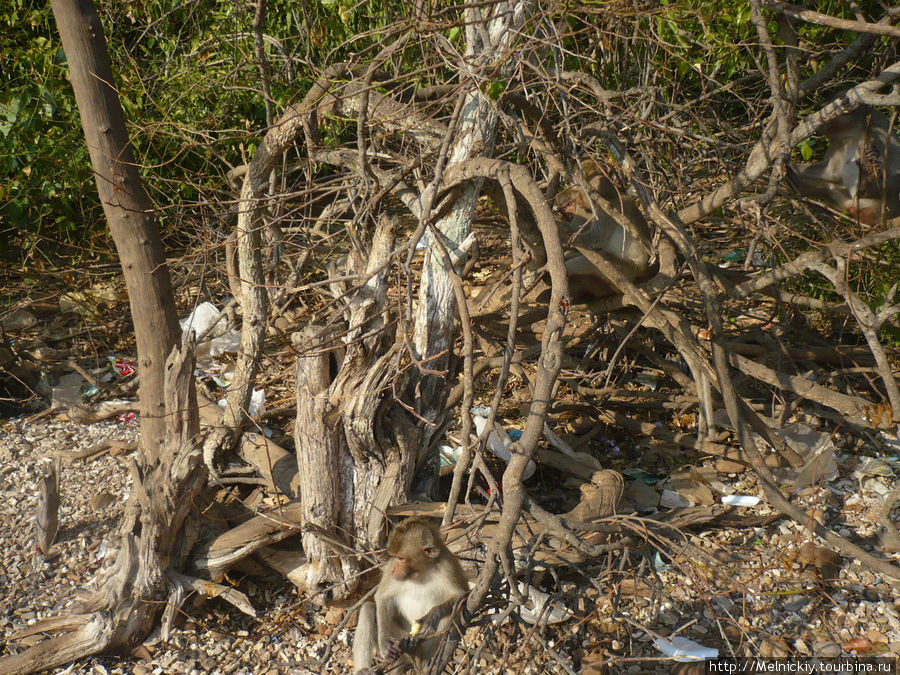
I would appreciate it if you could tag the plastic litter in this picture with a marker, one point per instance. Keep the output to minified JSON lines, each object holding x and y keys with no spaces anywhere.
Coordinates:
{"x":499,"y":442}
{"x":201,"y":319}
{"x":71,"y":390}
{"x":672,"y":500}
{"x":683,"y":649}
{"x":816,"y":448}
{"x":257,"y":403}
{"x":741,"y":500}
{"x":536,"y":608}
{"x":206,"y":316}
{"x":123,"y":367}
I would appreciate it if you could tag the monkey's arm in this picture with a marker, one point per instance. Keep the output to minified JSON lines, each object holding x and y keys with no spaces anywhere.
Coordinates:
{"x":364,"y":640}
{"x":386,"y":612}
{"x":425,"y":633}
{"x":434,"y":620}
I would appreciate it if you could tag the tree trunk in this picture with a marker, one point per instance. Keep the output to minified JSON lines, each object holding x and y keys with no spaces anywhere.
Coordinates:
{"x":133,"y":591}
{"x":168,"y":474}
{"x":436,"y":312}
{"x":127,"y":208}
{"x":355,"y":452}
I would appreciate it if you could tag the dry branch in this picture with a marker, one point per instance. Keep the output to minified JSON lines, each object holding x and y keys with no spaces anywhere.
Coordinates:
{"x":151,"y":538}
{"x":216,"y":556}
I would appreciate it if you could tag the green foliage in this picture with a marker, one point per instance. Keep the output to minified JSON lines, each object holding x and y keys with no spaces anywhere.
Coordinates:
{"x":716,"y":40}
{"x":806,"y":150}
{"x":189,"y":83}
{"x":495,"y":89}
{"x":871,"y":277}
{"x":706,"y":38}
{"x":46,"y":185}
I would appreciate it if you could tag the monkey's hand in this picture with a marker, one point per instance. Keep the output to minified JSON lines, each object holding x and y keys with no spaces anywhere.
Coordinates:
{"x":431,"y":621}
{"x":402,"y":646}
{"x":424,"y":628}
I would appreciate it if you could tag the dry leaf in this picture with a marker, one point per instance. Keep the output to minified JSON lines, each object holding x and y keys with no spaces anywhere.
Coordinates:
{"x":635,"y":587}
{"x":877,"y":637}
{"x":141,"y":652}
{"x":101,"y":500}
{"x":689,"y":669}
{"x":774,"y":647}
{"x":334,"y":615}
{"x":859,"y":644}
{"x":826,"y":561}
{"x":594,"y":663}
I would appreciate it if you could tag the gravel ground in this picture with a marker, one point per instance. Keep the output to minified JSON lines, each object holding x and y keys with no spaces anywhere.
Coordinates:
{"x":214,"y":638}
{"x":764,"y":596}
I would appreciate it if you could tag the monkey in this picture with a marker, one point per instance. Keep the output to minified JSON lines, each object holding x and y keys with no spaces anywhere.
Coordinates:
{"x":860,"y":172}
{"x":592,"y":226}
{"x":422,"y":578}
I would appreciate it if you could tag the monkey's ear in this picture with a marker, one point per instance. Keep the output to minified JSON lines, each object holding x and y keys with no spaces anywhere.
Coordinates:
{"x":432,"y":551}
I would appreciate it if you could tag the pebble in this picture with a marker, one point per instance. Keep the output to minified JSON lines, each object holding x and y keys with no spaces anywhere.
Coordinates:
{"x":222,"y":641}
{"x":827,"y":649}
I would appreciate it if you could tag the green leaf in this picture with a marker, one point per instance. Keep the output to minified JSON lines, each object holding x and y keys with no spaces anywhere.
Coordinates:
{"x":9,"y":113}
{"x":495,"y":89}
{"x":806,"y":151}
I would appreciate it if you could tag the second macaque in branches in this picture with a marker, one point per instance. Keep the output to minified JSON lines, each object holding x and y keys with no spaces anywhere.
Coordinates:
{"x":616,"y":227}
{"x":420,"y":583}
{"x":860,"y":172}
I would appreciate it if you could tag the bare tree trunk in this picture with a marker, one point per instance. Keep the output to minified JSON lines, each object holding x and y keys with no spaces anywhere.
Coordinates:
{"x":126,"y":205}
{"x":355,"y":451}
{"x":320,"y":454}
{"x":436,"y":313}
{"x":168,"y":474}
{"x":133,"y":591}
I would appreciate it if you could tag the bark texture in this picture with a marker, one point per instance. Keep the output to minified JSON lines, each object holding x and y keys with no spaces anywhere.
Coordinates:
{"x":126,"y":205}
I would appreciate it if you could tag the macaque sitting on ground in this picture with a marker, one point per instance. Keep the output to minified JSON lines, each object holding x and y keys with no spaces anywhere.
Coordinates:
{"x":421,"y":578}
{"x":860,"y":172}
{"x":624,"y":235}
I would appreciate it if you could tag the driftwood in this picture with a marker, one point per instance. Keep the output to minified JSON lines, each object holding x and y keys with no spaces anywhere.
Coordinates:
{"x":213,"y":590}
{"x":131,"y":589}
{"x":291,"y":564}
{"x":276,"y":465}
{"x":97,"y":450}
{"x":261,"y":530}
{"x":88,"y":414}
{"x":47,"y":516}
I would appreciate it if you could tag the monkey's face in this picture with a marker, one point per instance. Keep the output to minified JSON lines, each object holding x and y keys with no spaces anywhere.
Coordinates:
{"x":868,"y":211}
{"x":412,"y":565}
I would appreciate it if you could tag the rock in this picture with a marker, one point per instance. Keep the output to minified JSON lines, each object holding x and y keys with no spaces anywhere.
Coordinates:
{"x":827,"y":649}
{"x":21,"y":318}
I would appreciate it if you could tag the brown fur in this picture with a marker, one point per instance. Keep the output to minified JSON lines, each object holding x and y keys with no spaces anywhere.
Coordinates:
{"x":591,"y":226}
{"x":421,"y":575}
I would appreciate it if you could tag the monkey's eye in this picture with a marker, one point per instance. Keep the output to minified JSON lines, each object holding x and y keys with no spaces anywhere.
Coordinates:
{"x":432,"y":551}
